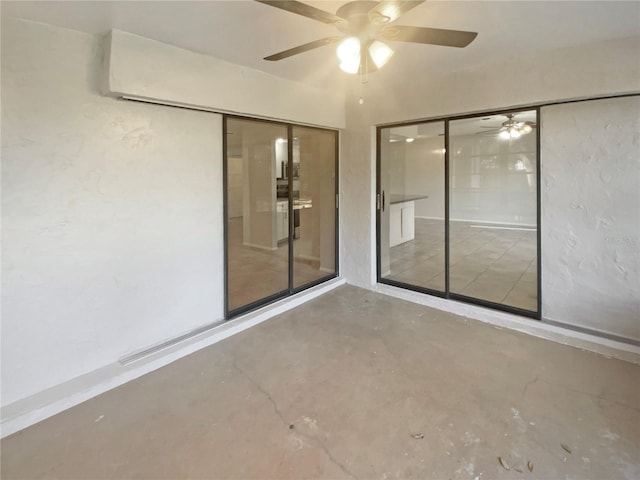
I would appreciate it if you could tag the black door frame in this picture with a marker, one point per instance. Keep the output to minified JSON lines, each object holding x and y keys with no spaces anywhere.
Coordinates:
{"x":447,"y":292}
{"x":291,"y":290}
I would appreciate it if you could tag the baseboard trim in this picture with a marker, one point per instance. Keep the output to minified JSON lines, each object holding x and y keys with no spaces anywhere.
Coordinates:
{"x":512,"y":224}
{"x":259,"y":247}
{"x":593,"y":331}
{"x":603,"y":345}
{"x":42,"y":405}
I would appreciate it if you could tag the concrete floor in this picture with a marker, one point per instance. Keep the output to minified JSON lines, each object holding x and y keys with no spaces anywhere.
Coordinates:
{"x":354,"y":384}
{"x":497,"y":265}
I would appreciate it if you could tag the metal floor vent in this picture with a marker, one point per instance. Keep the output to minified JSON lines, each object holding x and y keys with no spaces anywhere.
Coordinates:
{"x":133,"y":357}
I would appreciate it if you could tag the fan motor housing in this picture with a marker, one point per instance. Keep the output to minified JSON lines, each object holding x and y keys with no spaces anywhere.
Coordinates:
{"x":356,"y":15}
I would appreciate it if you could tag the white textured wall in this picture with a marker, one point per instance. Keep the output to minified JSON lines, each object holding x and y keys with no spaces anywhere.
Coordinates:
{"x":357,"y":203}
{"x":111,"y":211}
{"x":147,"y":68}
{"x":564,"y":73}
{"x":601,"y":69}
{"x":591,"y":214}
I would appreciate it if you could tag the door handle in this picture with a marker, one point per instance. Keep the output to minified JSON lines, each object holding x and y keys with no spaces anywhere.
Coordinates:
{"x":383,"y":200}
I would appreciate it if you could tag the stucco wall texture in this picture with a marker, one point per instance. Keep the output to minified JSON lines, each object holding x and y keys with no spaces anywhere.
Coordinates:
{"x":111,"y":215}
{"x":591,"y":214}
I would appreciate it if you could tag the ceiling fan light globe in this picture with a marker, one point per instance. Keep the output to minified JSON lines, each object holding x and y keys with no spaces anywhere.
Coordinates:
{"x":348,"y":49}
{"x":380,"y":53}
{"x":515,"y":133}
{"x":526,"y":128}
{"x":351,"y":65}
{"x":504,"y":134}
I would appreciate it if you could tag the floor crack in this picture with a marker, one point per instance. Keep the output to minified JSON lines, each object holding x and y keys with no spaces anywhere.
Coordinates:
{"x":524,"y":390}
{"x":319,"y":443}
{"x":264,"y":392}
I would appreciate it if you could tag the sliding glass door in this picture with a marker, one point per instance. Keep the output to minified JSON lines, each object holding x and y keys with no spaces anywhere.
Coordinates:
{"x":493,"y":210}
{"x":412,"y":206}
{"x":314,"y":205}
{"x":280,"y":210}
{"x":458,"y":209}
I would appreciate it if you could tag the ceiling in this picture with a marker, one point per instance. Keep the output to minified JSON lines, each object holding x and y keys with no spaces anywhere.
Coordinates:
{"x":243,"y":31}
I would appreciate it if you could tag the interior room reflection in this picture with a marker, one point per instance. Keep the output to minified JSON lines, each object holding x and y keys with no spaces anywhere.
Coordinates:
{"x":492,"y":201}
{"x":258,"y":213}
{"x":412,"y":220}
{"x":314,"y":207}
{"x":493,"y":208}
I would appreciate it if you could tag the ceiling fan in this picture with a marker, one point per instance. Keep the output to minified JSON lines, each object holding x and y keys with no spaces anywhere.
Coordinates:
{"x":367,"y":25}
{"x":511,"y":128}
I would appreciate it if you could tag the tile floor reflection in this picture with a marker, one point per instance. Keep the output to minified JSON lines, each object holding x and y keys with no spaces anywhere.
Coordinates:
{"x":255,"y":273}
{"x":493,"y":264}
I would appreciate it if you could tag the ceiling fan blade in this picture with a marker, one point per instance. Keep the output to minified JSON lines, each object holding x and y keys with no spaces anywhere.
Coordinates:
{"x":304,"y":10}
{"x":430,"y":36}
{"x":303,"y":48}
{"x":389,"y":11}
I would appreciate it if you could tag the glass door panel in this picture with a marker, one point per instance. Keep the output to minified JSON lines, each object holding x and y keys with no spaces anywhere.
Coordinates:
{"x":314,"y":204}
{"x":257,"y":235}
{"x":412,"y":206}
{"x":493,"y":209}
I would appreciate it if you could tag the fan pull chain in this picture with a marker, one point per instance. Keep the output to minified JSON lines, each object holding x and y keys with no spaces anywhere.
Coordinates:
{"x":364,"y":78}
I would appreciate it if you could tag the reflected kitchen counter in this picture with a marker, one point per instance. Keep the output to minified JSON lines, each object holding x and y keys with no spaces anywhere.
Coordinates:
{"x":402,"y":217}
{"x":401,"y":198}
{"x":282,"y":209}
{"x":298,"y":203}
{"x":301,"y":203}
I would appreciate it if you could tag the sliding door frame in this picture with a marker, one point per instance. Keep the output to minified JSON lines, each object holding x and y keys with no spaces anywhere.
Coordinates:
{"x":229,"y":314}
{"x":336,"y":226}
{"x":381,"y":204}
{"x":537,"y":315}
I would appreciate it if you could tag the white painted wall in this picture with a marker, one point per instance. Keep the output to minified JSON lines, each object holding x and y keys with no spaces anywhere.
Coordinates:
{"x":150,"y":69}
{"x":564,"y":73}
{"x":602,"y":69}
{"x":112,"y":211}
{"x":112,"y":215}
{"x":591,"y":214}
